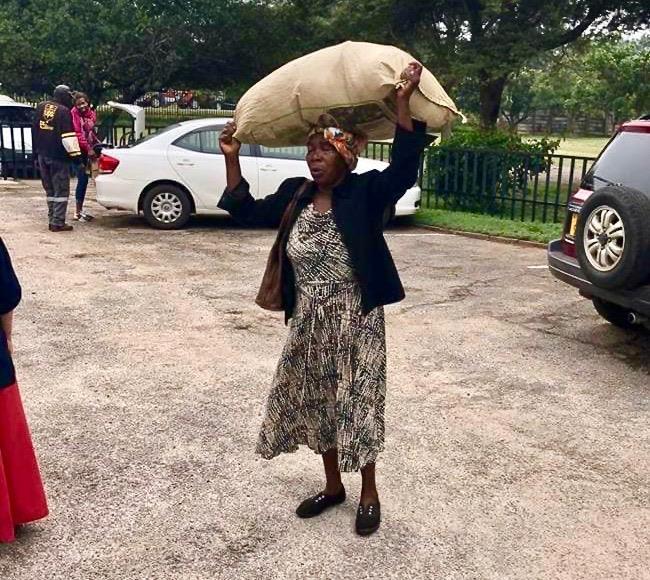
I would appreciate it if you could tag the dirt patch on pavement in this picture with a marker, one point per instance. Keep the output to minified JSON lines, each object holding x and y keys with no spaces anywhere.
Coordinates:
{"x":518,"y":430}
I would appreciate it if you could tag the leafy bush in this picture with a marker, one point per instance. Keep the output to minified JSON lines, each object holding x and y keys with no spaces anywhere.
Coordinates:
{"x":477,"y":170}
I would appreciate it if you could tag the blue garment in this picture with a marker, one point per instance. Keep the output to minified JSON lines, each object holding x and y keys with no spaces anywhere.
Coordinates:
{"x":10,"y":295}
{"x":82,"y":183}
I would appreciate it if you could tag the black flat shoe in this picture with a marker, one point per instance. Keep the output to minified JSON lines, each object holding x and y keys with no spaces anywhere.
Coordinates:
{"x":314,"y":506}
{"x":368,"y":519}
{"x":63,"y":228}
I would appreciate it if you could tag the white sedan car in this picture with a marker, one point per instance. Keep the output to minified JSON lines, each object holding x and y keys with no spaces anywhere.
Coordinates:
{"x":180,"y":171}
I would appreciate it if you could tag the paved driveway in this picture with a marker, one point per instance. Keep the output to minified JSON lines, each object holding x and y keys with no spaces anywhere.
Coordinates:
{"x":518,"y":422}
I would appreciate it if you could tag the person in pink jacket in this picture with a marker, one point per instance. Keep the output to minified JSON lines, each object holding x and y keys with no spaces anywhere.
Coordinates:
{"x":84,"y":119}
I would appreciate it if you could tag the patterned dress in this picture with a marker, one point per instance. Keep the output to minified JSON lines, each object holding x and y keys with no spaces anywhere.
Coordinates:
{"x":330,"y":385}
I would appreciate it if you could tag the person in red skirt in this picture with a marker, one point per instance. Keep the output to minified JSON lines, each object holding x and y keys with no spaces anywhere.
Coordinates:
{"x":22,"y":498}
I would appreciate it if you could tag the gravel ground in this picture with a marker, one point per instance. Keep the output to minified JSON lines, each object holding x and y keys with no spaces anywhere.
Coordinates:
{"x":518,"y":436}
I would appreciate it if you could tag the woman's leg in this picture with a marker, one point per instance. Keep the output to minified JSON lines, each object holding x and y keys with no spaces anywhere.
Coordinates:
{"x":333,"y":494}
{"x":333,"y":483}
{"x":369,"y":512}
{"x":369,"y":493}
{"x":82,"y":186}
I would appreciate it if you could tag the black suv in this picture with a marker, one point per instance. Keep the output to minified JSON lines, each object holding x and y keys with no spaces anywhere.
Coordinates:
{"x":605,"y":248}
{"x":15,"y":138}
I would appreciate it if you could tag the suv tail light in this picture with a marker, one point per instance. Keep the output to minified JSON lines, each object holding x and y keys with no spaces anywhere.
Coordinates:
{"x":576,"y":201}
{"x":107,"y":164}
{"x":570,"y":223}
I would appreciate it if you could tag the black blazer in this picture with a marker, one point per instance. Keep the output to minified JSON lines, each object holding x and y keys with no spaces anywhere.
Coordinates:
{"x":10,"y":295}
{"x":358,"y":206}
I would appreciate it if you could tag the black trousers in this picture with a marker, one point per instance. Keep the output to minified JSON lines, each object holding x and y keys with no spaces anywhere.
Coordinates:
{"x":55,"y":176}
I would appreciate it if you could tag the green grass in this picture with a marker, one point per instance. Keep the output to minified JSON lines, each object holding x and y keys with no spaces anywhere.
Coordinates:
{"x":579,"y":146}
{"x":490,"y":225}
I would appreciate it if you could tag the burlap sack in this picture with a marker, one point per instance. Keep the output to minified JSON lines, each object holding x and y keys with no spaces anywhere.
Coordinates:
{"x":353,"y":81}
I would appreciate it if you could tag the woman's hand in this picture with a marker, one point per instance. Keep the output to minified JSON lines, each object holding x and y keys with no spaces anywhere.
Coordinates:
{"x":410,"y":81}
{"x":229,"y":145}
{"x":10,"y":346}
{"x":406,"y":87}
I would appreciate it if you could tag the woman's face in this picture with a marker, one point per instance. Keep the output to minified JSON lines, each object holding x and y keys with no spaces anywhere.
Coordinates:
{"x":325,"y":164}
{"x":82,"y":105}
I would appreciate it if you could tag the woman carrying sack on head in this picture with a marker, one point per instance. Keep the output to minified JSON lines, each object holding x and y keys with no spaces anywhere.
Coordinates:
{"x":84,"y":120}
{"x":22,"y":498}
{"x":333,"y":274}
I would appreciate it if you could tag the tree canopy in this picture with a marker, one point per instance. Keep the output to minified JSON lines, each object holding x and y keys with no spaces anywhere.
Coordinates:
{"x":129,"y":46}
{"x":488,"y":41}
{"x":605,"y":78}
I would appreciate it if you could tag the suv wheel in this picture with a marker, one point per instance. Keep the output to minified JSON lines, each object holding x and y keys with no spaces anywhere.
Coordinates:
{"x":613,"y":313}
{"x":613,"y":238}
{"x":167,"y":207}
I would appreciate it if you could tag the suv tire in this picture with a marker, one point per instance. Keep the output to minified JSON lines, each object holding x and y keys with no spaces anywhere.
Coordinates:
{"x":613,"y":313}
{"x":167,"y":207}
{"x":613,"y":237}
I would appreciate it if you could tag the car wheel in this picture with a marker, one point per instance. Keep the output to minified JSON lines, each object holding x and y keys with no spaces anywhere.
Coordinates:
{"x":155,"y":102}
{"x":613,"y":313}
{"x":167,"y":207}
{"x":613,"y":237}
{"x":388,"y":215}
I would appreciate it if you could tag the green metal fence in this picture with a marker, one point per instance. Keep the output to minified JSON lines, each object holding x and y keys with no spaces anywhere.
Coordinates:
{"x":512,"y":185}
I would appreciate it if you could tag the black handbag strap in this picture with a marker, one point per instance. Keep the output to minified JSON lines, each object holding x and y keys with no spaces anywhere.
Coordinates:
{"x":291,"y":209}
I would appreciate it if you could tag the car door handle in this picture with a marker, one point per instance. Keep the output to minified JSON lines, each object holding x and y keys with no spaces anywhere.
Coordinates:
{"x":185,"y":164}
{"x":267,"y":168}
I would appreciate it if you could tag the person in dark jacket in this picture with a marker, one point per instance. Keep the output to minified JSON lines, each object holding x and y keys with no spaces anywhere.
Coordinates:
{"x":55,"y":142}
{"x":22,"y":498}
{"x":337,"y":274}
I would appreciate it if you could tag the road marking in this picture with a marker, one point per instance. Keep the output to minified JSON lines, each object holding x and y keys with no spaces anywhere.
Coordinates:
{"x":537,"y":267}
{"x":414,"y":235}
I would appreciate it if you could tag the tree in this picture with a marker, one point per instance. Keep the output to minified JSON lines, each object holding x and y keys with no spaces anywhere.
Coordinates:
{"x":519,"y":97}
{"x":129,"y":47}
{"x":94,"y":45}
{"x":487,"y":40}
{"x":231,"y":43}
{"x":608,"y":77}
{"x":615,"y":78}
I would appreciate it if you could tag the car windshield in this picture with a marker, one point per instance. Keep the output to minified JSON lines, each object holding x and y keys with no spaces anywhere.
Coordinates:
{"x":626,"y":160}
{"x":152,"y":135}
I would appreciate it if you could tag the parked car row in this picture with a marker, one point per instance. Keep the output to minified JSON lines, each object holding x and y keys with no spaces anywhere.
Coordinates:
{"x":183,"y":100}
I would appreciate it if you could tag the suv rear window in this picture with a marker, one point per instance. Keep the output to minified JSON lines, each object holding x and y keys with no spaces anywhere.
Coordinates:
{"x":16,"y":115}
{"x":626,"y":160}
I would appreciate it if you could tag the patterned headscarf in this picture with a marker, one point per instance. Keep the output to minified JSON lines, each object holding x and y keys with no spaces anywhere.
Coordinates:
{"x":348,"y":144}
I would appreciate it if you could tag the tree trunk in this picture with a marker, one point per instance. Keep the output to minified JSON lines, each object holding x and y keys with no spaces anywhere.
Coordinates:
{"x":490,"y":94}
